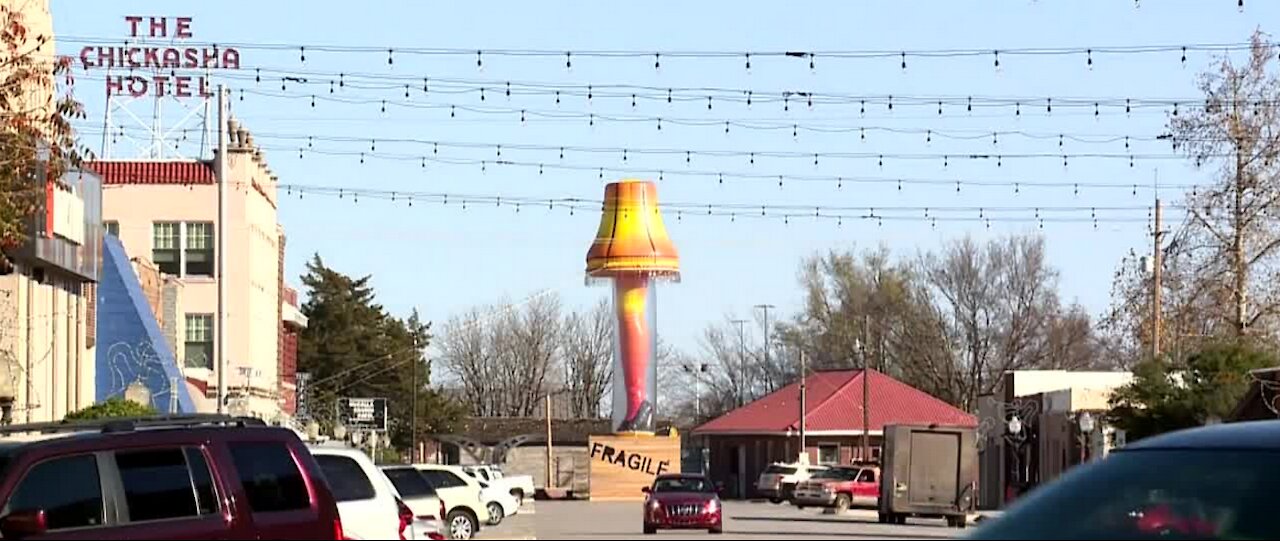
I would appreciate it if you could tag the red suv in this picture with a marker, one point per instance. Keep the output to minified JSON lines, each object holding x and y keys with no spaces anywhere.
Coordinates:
{"x":193,"y":477}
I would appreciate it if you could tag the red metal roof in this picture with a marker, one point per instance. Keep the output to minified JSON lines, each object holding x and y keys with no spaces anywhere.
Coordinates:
{"x":154,"y":172}
{"x":835,"y":404}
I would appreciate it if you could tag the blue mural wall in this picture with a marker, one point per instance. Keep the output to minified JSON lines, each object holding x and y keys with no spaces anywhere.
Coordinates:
{"x":131,"y":346}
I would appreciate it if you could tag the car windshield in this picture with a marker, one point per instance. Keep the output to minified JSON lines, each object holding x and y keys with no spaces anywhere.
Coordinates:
{"x":780,"y":470}
{"x":683,"y":484}
{"x":838,"y":474}
{"x":1152,"y":494}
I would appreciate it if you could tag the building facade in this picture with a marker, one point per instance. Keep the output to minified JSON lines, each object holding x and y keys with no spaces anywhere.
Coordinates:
{"x":47,"y":292}
{"x":166,"y":212}
{"x":1049,"y":406}
{"x":739,"y":445}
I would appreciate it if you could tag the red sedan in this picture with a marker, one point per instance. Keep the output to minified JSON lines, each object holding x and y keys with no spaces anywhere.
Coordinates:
{"x":682,"y":502}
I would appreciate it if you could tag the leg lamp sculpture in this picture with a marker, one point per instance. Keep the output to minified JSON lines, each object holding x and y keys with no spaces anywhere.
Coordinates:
{"x":632,"y":250}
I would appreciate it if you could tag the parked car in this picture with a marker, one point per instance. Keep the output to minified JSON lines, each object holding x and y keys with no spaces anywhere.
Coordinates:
{"x":1214,"y":482}
{"x":682,"y":502}
{"x":499,"y":501}
{"x":520,"y":486}
{"x":368,"y":502}
{"x":459,"y":493}
{"x":420,"y":499}
{"x":189,"y":477}
{"x":779,"y":480}
{"x":839,"y":488}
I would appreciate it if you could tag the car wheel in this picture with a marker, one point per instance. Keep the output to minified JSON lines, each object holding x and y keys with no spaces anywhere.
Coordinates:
{"x":842,"y":503}
{"x":717,"y":530}
{"x":495,"y":513}
{"x":462,"y":525}
{"x":519,"y":495}
{"x":775,"y":501}
{"x":649,"y":529}
{"x":900,"y":519}
{"x":883,"y":518}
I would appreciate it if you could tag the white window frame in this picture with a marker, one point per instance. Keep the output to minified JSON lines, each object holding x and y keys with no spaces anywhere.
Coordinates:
{"x":186,"y":247}
{"x":182,"y":245}
{"x":822,"y":446}
{"x":188,"y":328}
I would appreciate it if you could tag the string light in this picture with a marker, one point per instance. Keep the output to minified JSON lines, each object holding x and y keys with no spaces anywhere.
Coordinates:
{"x":568,"y":60}
{"x":389,"y":59}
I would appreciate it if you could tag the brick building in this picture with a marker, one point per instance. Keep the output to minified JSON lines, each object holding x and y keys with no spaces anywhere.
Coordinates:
{"x":742,"y":443}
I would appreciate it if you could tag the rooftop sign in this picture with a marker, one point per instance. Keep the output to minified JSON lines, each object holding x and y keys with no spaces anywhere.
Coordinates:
{"x":163,"y":62}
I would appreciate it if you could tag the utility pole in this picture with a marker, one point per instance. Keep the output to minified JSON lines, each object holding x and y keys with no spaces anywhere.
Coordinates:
{"x":804,"y":399}
{"x":742,"y":360}
{"x":866,"y":403}
{"x":220,"y":326}
{"x":551,"y":479}
{"x":413,"y":417}
{"x":1157,"y":275}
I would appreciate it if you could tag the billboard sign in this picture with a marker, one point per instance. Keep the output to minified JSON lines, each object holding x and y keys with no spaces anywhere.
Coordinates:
{"x":363,"y":413}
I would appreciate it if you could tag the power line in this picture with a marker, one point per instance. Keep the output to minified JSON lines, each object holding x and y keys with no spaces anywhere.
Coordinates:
{"x":1087,"y":53}
{"x":786,"y":213}
{"x":434,"y":158}
{"x":419,"y":85}
{"x":625,"y":153}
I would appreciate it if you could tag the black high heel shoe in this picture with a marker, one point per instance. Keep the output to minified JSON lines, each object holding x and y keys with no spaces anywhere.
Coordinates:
{"x":641,"y":422}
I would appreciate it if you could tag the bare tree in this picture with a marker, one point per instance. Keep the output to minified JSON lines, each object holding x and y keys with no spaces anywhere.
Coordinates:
{"x":994,"y":308}
{"x":587,"y":352}
{"x":1233,"y":236}
{"x":502,"y":356}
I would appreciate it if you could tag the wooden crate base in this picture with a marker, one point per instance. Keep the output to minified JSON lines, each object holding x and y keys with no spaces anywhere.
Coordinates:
{"x":623,"y":464}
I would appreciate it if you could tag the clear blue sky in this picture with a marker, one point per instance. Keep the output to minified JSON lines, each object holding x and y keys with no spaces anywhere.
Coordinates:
{"x":442,"y":260}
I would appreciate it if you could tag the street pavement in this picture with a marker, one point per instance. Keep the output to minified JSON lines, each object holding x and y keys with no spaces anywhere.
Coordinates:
{"x":744,"y":520}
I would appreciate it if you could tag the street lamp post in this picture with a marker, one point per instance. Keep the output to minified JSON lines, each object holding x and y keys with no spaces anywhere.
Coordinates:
{"x":1014,"y":437}
{"x":1086,"y":424}
{"x":697,"y":371}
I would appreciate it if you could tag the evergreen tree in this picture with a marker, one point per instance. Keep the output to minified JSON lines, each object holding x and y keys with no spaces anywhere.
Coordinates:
{"x":353,"y":348}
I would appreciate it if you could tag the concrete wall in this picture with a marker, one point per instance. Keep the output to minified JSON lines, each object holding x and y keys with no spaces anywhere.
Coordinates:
{"x":569,"y":463}
{"x":152,"y":283}
{"x":46,"y":363}
{"x":1029,"y":382}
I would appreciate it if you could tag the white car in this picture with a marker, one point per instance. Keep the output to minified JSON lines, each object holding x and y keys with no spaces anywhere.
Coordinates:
{"x":368,"y":503}
{"x":520,"y":486}
{"x":500,"y":502}
{"x":447,"y":487}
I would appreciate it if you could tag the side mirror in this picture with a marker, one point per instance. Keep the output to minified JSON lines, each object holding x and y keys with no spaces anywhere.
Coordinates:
{"x":23,"y":524}
{"x":720,"y":488}
{"x":646,"y":490}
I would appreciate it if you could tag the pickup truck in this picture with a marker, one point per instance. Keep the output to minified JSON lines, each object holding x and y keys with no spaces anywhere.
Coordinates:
{"x":519,"y":486}
{"x":839,"y":488}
